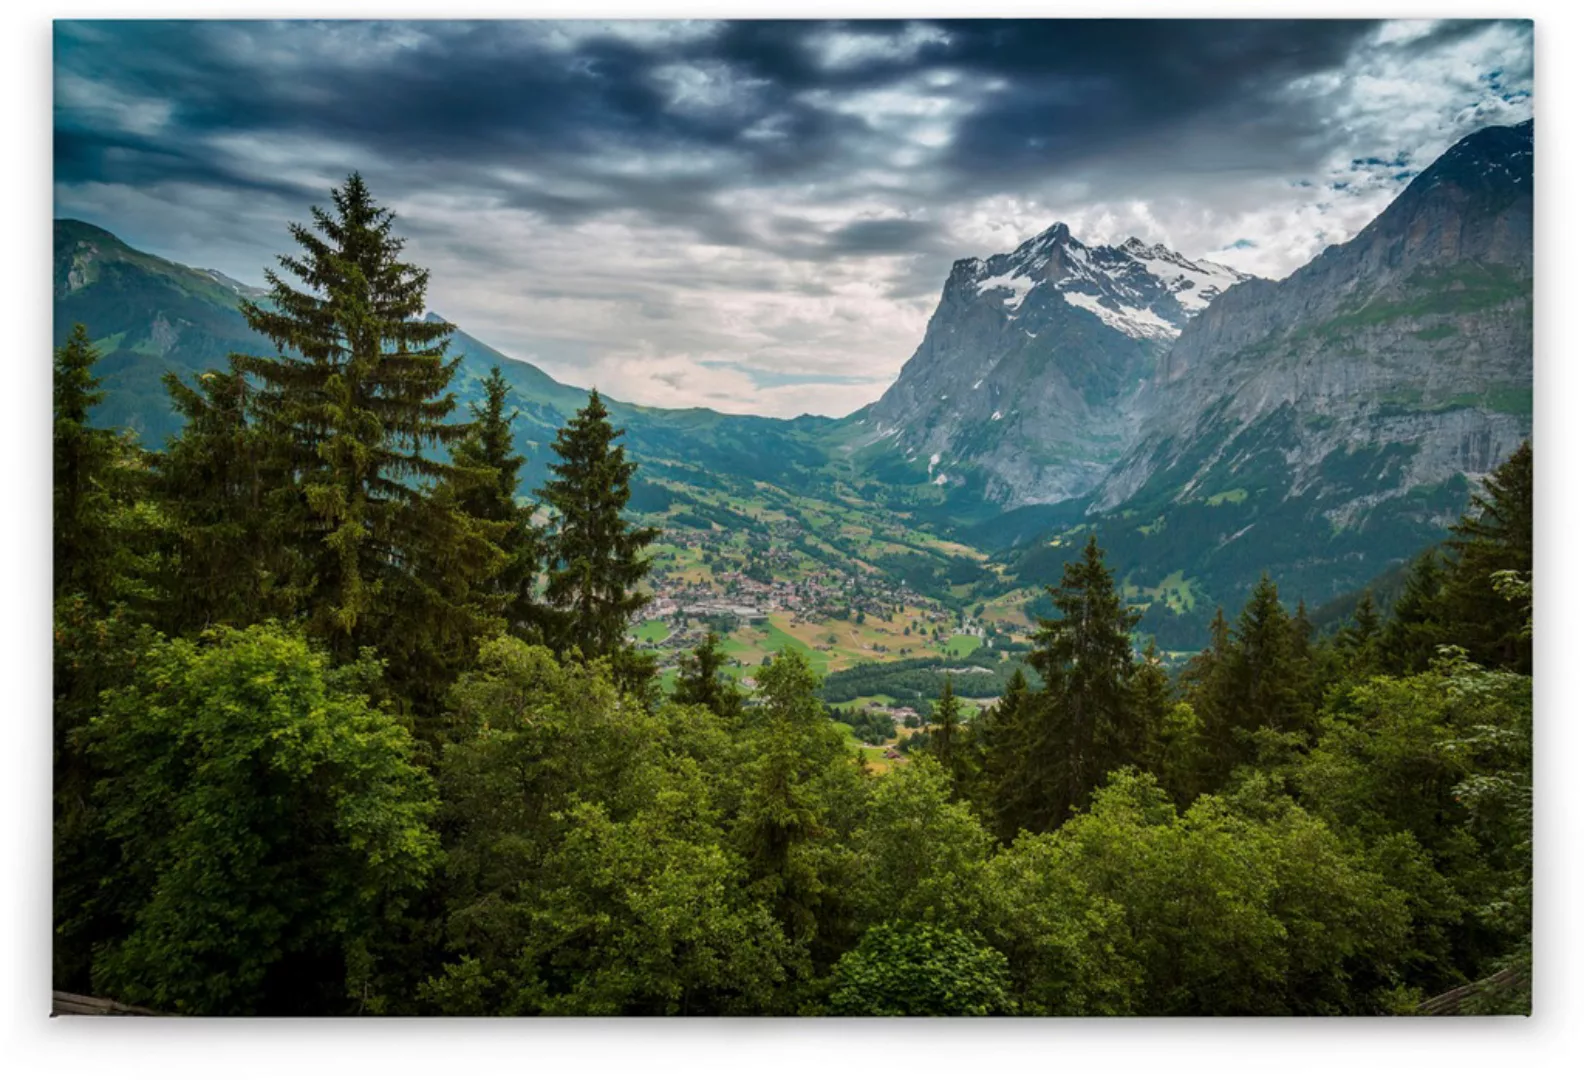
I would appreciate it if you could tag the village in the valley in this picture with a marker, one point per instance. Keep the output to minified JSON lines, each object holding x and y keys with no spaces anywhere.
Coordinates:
{"x":766,"y":592}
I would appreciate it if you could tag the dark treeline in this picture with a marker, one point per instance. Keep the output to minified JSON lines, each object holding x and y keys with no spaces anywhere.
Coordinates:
{"x":919,"y":680}
{"x":342,"y":726}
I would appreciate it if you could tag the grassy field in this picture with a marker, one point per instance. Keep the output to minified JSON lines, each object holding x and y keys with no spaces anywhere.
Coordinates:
{"x":652,"y":632}
{"x":960,"y":645}
{"x":777,"y":637}
{"x":1008,"y":608}
{"x":1175,"y":591}
{"x":865,"y":702}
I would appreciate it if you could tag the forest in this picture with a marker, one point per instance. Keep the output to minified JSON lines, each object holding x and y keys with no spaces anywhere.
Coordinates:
{"x":343,"y":726}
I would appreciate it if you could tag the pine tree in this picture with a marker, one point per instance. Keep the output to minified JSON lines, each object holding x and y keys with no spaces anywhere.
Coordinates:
{"x":703,"y":680}
{"x":1302,"y":632}
{"x":1410,"y":637}
{"x":947,"y":741}
{"x":1366,"y":623}
{"x":104,"y":564}
{"x":1085,"y":724}
{"x":1210,"y":692}
{"x":1267,"y":674}
{"x":1360,"y":639}
{"x":780,"y":822}
{"x":351,"y":411}
{"x":222,"y":557}
{"x":1005,"y":736}
{"x":101,"y":539}
{"x":1151,"y":704}
{"x":595,"y":555}
{"x":1495,"y":536}
{"x":491,"y":495}
{"x":1310,"y":662}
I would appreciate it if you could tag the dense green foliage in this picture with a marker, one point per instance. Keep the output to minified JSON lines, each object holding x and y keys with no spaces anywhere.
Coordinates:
{"x":265,"y":822}
{"x":337,"y":730}
{"x":920,"y":971}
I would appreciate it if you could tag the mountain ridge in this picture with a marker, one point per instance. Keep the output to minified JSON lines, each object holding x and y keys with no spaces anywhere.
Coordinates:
{"x":1023,"y":388}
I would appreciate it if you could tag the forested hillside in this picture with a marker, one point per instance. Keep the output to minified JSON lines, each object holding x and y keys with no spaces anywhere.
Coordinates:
{"x":344,"y":726}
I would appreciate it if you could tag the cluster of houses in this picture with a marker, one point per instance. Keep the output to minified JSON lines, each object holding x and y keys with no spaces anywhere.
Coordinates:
{"x":812,"y":597}
{"x":742,"y":594}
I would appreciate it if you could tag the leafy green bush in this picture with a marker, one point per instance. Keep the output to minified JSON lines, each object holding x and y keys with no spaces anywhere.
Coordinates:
{"x":920,"y":970}
{"x":267,"y":823}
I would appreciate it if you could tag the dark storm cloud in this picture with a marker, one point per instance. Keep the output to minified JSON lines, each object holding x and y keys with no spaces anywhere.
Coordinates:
{"x":487,"y":94}
{"x":883,"y":237}
{"x":687,"y":195}
{"x":456,"y":94}
{"x":1085,"y":87}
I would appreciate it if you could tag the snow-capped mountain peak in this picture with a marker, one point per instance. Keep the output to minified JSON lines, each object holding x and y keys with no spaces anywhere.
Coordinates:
{"x":1144,"y":291}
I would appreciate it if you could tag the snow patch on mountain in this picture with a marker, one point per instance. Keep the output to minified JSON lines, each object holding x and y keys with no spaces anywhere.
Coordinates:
{"x":1194,"y":284}
{"x":1146,"y":292}
{"x":1132,"y":321}
{"x":1017,"y":288}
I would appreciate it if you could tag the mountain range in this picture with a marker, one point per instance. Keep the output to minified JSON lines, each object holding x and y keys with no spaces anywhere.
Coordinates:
{"x":1208,"y":425}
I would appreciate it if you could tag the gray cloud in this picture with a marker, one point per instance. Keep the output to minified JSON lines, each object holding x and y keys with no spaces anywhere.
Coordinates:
{"x":757,"y":215}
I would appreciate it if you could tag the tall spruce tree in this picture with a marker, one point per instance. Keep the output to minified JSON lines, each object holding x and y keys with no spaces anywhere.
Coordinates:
{"x":101,"y":543}
{"x":1359,"y":640}
{"x":1302,"y":632}
{"x":1267,"y":673}
{"x":1208,"y":688}
{"x":490,"y":494}
{"x":1410,"y":637}
{"x":354,"y":412}
{"x":1495,"y":536}
{"x":222,"y":558}
{"x":103,"y":565}
{"x":83,"y":455}
{"x":947,"y":741}
{"x":779,"y":824}
{"x":1084,"y":726}
{"x":595,"y":555}
{"x":1151,"y":705}
{"x":1004,"y":736}
{"x":703,"y":680}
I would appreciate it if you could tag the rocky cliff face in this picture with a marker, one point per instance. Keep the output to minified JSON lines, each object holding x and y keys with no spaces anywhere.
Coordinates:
{"x":1330,"y":425}
{"x":1027,"y":383}
{"x":1417,"y":333}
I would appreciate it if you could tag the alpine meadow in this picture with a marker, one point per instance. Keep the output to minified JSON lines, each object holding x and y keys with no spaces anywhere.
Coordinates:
{"x":819,"y":619}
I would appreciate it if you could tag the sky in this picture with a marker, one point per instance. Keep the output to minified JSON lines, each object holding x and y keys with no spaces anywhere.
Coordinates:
{"x":757,"y":216}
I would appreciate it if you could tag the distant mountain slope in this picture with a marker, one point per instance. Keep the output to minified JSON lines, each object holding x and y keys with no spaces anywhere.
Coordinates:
{"x":149,"y":315}
{"x":1024,"y":389}
{"x":146,"y":315}
{"x":1329,"y":425}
